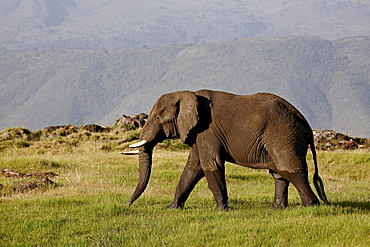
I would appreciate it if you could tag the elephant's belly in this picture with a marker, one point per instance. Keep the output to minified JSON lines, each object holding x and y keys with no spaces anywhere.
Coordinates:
{"x":249,"y":153}
{"x":255,"y":165}
{"x":256,"y":161}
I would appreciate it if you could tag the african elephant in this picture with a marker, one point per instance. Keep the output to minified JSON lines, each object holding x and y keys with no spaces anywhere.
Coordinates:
{"x":266,"y":132}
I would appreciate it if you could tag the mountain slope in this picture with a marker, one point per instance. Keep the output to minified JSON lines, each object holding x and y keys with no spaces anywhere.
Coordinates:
{"x":114,"y":24}
{"x":329,"y":81}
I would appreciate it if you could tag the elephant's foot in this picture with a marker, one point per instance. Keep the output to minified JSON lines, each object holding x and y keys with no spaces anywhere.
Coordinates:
{"x":281,"y":191}
{"x":280,"y":204}
{"x":224,"y":208}
{"x":310,"y":201}
{"x":176,"y":206}
{"x":276,"y":205}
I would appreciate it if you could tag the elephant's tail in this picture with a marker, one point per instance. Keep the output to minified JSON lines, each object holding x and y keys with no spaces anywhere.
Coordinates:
{"x":317,"y":181}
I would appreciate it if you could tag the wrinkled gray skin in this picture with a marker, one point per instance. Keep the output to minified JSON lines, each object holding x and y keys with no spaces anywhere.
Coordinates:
{"x":261,"y":131}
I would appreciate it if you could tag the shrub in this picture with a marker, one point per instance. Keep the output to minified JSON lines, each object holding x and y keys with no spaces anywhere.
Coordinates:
{"x":175,"y":144}
{"x":22,"y":144}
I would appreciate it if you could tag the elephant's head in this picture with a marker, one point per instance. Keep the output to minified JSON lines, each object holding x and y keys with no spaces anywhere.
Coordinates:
{"x":172,"y":116}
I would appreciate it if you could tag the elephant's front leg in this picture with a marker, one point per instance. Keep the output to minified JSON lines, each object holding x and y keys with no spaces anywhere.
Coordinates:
{"x":281,"y":191}
{"x":191,"y":175}
{"x":213,"y":164}
{"x":217,"y":184}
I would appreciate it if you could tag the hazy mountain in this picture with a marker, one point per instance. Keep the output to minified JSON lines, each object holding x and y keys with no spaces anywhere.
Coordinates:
{"x":116,"y":24}
{"x":329,"y":81}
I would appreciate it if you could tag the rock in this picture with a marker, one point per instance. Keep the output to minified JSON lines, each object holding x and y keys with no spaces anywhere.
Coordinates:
{"x":331,"y":140}
{"x":31,"y":185}
{"x":6,"y":136}
{"x":132,"y":121}
{"x":11,"y":173}
{"x":94,"y":128}
{"x":61,"y":130}
{"x":351,"y":144}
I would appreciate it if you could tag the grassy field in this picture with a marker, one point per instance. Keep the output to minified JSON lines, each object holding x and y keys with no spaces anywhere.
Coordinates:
{"x":87,"y":204}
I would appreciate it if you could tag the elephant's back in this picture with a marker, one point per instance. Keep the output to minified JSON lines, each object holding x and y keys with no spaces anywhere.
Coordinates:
{"x":278,"y":104}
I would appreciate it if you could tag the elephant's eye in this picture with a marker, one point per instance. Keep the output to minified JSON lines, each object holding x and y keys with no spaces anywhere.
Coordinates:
{"x":157,"y":118}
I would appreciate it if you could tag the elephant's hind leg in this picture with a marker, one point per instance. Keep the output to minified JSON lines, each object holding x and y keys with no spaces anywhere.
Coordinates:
{"x":281,"y":191}
{"x":291,"y":165}
{"x":300,"y":181}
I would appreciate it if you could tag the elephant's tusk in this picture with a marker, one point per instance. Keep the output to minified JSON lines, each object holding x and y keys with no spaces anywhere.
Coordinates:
{"x":129,"y":152}
{"x":138,"y":144}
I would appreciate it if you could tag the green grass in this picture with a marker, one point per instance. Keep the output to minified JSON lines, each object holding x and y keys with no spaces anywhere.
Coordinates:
{"x":87,"y":207}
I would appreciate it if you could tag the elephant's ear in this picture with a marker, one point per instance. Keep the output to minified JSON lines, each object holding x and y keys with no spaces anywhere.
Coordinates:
{"x":187,"y":114}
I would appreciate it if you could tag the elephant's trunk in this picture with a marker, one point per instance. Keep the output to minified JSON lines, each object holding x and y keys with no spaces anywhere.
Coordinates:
{"x":145,"y":167}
